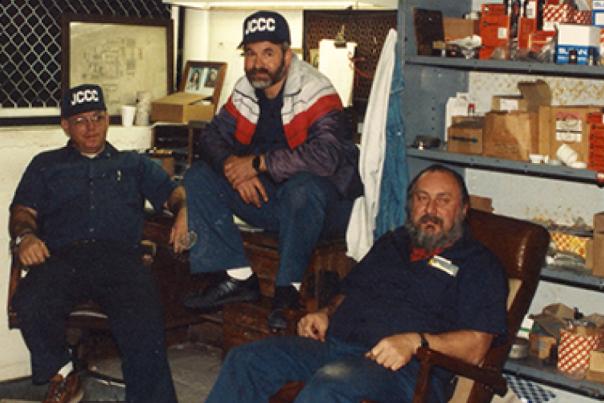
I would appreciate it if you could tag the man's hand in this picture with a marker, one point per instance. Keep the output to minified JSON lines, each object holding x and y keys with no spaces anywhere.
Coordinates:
{"x":252,"y":191}
{"x":239,"y":169}
{"x":179,"y":235}
{"x":394,"y":352}
{"x":32,"y":251}
{"x":314,"y":325}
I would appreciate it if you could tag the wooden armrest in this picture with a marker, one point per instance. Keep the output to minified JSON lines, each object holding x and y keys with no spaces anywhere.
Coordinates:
{"x":490,"y":377}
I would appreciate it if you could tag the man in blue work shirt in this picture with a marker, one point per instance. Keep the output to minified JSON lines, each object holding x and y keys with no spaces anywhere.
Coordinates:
{"x":279,"y":156}
{"x":428,"y":283}
{"x":76,"y":220}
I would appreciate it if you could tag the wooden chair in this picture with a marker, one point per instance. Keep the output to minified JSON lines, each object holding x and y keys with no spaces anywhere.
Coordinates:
{"x":521,"y":246}
{"x":171,"y":274}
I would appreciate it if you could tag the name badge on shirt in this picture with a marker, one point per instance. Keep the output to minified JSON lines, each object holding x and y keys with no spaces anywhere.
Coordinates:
{"x":440,"y":263}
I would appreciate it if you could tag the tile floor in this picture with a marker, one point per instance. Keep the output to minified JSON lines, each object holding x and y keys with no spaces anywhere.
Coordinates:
{"x":194,"y":370}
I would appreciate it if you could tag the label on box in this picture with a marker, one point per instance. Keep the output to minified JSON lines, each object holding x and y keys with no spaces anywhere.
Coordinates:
{"x":508,"y":104}
{"x":502,"y":33}
{"x":569,"y":130}
{"x":597,"y":4}
{"x":598,"y":18}
{"x":563,"y":51}
{"x":531,"y":9}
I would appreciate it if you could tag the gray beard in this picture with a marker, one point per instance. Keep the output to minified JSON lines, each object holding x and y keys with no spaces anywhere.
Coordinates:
{"x":430,"y":242}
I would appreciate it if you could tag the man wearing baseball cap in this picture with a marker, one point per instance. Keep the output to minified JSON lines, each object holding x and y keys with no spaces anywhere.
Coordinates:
{"x":277,"y":155}
{"x":76,"y":221}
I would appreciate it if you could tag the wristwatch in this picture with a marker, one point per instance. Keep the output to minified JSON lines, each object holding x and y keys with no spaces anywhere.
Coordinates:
{"x":256,"y":163}
{"x":423,"y":341}
{"x":21,"y":237}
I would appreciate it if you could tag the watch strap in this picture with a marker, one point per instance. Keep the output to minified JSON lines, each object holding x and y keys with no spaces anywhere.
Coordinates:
{"x":423,"y":341}
{"x":256,"y":163}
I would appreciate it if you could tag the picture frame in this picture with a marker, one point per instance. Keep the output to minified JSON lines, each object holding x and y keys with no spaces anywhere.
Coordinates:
{"x":203,"y":78}
{"x":123,"y":55}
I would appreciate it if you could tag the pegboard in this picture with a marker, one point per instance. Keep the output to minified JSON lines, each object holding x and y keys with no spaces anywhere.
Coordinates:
{"x":367,"y":28}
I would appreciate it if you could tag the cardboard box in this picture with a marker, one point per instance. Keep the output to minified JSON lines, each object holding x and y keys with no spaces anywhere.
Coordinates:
{"x":511,"y":135}
{"x":540,"y":345}
{"x":494,"y":31}
{"x":481,"y":203}
{"x":532,"y":96}
{"x":182,"y":107}
{"x":598,"y":255}
{"x":596,"y":361}
{"x":581,"y":39}
{"x":465,"y":136}
{"x":568,"y":125}
{"x":457,"y":28}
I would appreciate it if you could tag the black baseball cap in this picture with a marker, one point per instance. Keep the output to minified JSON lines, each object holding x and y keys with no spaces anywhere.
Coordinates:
{"x":83,"y":98}
{"x":265,"y":26}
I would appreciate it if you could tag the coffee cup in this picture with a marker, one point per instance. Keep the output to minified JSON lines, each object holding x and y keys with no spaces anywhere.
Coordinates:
{"x":128,"y":113}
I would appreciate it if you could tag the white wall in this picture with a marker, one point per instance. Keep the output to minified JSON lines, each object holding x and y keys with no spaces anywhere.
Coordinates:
{"x":17,"y":147}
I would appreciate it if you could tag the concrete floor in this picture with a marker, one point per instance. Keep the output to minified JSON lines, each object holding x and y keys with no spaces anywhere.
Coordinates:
{"x":195,"y":367}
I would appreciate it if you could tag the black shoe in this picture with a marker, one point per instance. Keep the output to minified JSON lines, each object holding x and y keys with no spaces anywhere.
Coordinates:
{"x":285,"y":298}
{"x":227,"y":291}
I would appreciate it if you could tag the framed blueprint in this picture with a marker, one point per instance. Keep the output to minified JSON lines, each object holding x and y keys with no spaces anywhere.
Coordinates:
{"x":123,"y":55}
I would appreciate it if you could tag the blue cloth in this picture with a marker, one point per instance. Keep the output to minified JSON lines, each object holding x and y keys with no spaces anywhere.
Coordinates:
{"x":301,"y":210}
{"x":395,"y":175}
{"x":102,"y":198}
{"x":387,"y":294}
{"x":269,"y":134}
{"x":332,"y":372}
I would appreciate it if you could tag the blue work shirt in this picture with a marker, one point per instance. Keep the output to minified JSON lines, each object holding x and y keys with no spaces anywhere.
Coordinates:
{"x":386,"y":293}
{"x":91,"y":199}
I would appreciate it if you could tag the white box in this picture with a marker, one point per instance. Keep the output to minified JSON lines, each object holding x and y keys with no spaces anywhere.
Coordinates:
{"x":580,"y":38}
{"x":578,"y":35}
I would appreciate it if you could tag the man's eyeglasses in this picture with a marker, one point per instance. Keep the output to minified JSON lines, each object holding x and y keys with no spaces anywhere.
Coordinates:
{"x":96,"y":119}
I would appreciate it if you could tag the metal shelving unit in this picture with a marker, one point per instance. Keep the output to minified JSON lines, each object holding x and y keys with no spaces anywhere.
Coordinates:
{"x":429,"y":82}
{"x":533,"y":369}
{"x":497,"y":164}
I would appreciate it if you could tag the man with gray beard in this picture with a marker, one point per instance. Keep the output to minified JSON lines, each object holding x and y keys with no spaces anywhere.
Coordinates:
{"x":427,"y":283}
{"x":279,"y":156}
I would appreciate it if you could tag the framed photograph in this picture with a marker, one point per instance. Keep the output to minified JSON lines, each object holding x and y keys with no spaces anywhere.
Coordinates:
{"x":123,"y":55}
{"x":203,"y":78}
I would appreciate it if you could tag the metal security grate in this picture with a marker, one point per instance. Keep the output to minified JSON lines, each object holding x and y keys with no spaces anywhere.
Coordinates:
{"x":30,"y":44}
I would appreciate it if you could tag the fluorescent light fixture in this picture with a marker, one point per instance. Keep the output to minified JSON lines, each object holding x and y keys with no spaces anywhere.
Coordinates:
{"x":286,"y":4}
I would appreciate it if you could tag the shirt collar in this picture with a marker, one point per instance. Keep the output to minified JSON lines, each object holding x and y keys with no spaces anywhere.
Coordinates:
{"x":107,"y":152}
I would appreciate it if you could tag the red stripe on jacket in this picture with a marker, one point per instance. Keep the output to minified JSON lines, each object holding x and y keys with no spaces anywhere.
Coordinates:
{"x":296,"y":131}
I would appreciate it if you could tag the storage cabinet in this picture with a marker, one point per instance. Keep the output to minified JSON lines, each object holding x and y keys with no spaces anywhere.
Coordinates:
{"x":429,"y":82}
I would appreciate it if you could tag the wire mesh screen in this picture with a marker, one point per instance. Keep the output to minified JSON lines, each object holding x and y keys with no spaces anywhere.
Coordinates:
{"x":30,"y":43}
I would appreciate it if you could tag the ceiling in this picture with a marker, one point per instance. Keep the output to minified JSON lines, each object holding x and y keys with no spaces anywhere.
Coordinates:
{"x":287,"y":4}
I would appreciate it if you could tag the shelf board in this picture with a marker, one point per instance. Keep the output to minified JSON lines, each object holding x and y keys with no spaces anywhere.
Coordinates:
{"x":496,"y":164}
{"x":533,"y":369}
{"x":507,"y":66}
{"x":572,"y":277}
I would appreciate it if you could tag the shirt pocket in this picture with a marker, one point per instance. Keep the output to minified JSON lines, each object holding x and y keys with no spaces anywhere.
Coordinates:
{"x":119,"y":187}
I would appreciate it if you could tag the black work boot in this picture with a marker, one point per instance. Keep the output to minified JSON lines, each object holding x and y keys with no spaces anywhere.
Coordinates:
{"x":227,"y":291}
{"x":285,"y":298}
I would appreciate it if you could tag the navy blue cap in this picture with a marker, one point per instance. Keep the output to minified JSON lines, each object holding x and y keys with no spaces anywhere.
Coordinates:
{"x":265,"y":26}
{"x":83,"y":98}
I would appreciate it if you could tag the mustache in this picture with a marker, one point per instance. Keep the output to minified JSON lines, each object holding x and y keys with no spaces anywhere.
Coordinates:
{"x":429,"y":218}
{"x":254,"y":71}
